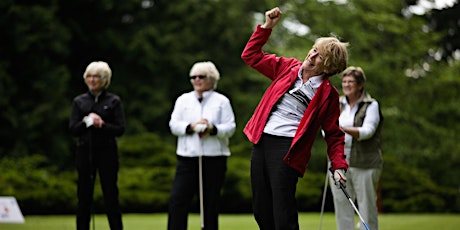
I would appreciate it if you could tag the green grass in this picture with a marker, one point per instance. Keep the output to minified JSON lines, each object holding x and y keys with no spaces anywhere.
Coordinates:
{"x":240,"y":222}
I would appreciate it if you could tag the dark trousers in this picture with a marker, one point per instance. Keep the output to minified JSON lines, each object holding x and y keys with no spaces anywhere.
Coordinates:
{"x":102,"y":160}
{"x":273,"y":185}
{"x":186,"y":186}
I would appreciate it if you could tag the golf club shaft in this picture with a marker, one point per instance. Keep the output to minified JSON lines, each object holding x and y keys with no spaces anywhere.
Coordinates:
{"x":200,"y":175}
{"x":342,"y":187}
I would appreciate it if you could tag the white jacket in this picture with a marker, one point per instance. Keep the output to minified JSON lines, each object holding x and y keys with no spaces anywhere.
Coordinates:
{"x":216,"y":108}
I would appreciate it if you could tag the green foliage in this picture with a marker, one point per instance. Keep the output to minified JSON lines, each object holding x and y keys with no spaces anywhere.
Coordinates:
{"x":146,"y":150}
{"x":37,"y":187}
{"x":445,"y":21}
{"x":146,"y":174}
{"x":237,"y":193}
{"x":34,"y":44}
{"x":144,"y":189}
{"x":408,"y":189}
{"x":310,"y":192}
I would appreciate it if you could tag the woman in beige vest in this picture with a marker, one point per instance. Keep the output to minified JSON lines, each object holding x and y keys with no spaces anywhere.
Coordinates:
{"x":361,"y":120}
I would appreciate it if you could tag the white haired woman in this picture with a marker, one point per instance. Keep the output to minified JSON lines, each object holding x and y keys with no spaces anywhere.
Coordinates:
{"x":97,"y":118}
{"x":203,"y":122}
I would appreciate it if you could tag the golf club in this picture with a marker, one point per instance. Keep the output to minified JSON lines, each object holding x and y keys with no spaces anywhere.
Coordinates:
{"x":200,"y":174}
{"x":342,"y":187}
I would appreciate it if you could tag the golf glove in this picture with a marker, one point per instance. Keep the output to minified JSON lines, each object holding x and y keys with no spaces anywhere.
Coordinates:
{"x":200,"y":128}
{"x":88,"y":121}
{"x":339,"y":177}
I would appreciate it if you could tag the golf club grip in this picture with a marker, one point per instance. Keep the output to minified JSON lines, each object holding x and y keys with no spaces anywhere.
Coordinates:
{"x":341,"y":186}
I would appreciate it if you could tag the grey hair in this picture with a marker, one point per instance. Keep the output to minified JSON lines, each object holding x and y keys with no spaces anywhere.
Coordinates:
{"x":355,"y":72}
{"x":101,"y":68}
{"x":208,"y":68}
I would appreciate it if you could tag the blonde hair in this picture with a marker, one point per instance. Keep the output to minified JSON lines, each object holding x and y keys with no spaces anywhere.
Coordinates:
{"x":207,"y":68}
{"x":102,"y":69}
{"x":335,"y":54}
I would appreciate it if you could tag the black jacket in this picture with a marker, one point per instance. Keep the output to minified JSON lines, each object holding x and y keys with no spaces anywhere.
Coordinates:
{"x":106,"y":105}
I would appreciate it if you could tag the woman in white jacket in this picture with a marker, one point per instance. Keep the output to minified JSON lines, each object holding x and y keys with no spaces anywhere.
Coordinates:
{"x":203,"y":120}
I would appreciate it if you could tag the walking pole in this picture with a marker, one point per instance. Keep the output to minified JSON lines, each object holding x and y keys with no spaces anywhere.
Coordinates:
{"x":200,"y":174}
{"x":342,"y":187}
{"x":324,"y":198}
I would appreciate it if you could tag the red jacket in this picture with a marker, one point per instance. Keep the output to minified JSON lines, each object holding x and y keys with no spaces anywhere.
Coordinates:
{"x":323,"y":110}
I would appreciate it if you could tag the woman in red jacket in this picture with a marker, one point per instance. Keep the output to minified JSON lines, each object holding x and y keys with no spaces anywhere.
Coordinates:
{"x":286,"y":122}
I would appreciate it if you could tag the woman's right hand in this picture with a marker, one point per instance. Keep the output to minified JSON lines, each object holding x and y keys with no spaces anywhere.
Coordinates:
{"x":97,"y":120}
{"x":272,"y":17}
{"x":200,"y":126}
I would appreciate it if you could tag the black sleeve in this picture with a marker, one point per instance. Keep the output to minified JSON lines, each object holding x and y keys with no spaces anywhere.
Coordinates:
{"x":189,"y":130}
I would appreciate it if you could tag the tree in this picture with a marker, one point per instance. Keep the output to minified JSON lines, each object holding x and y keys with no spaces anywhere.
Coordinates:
{"x":34,"y":78}
{"x":443,"y":20}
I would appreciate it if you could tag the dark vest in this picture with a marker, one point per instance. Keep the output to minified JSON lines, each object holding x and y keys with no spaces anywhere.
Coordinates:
{"x":366,"y":153}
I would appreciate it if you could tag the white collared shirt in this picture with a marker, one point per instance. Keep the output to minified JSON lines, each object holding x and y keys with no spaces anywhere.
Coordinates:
{"x":287,"y":113}
{"x":370,"y":123}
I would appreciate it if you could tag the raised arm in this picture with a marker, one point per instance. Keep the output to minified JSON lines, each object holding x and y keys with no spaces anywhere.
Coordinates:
{"x":272,"y":17}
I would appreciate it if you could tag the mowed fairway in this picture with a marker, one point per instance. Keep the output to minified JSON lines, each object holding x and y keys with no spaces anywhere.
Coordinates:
{"x":308,"y":221}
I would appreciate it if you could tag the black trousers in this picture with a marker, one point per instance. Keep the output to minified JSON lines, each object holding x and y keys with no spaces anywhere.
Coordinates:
{"x":186,"y":186}
{"x":273,"y":185}
{"x":102,"y":160}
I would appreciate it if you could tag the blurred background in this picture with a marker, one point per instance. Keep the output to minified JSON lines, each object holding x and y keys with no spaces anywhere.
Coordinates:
{"x":409,"y":49}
